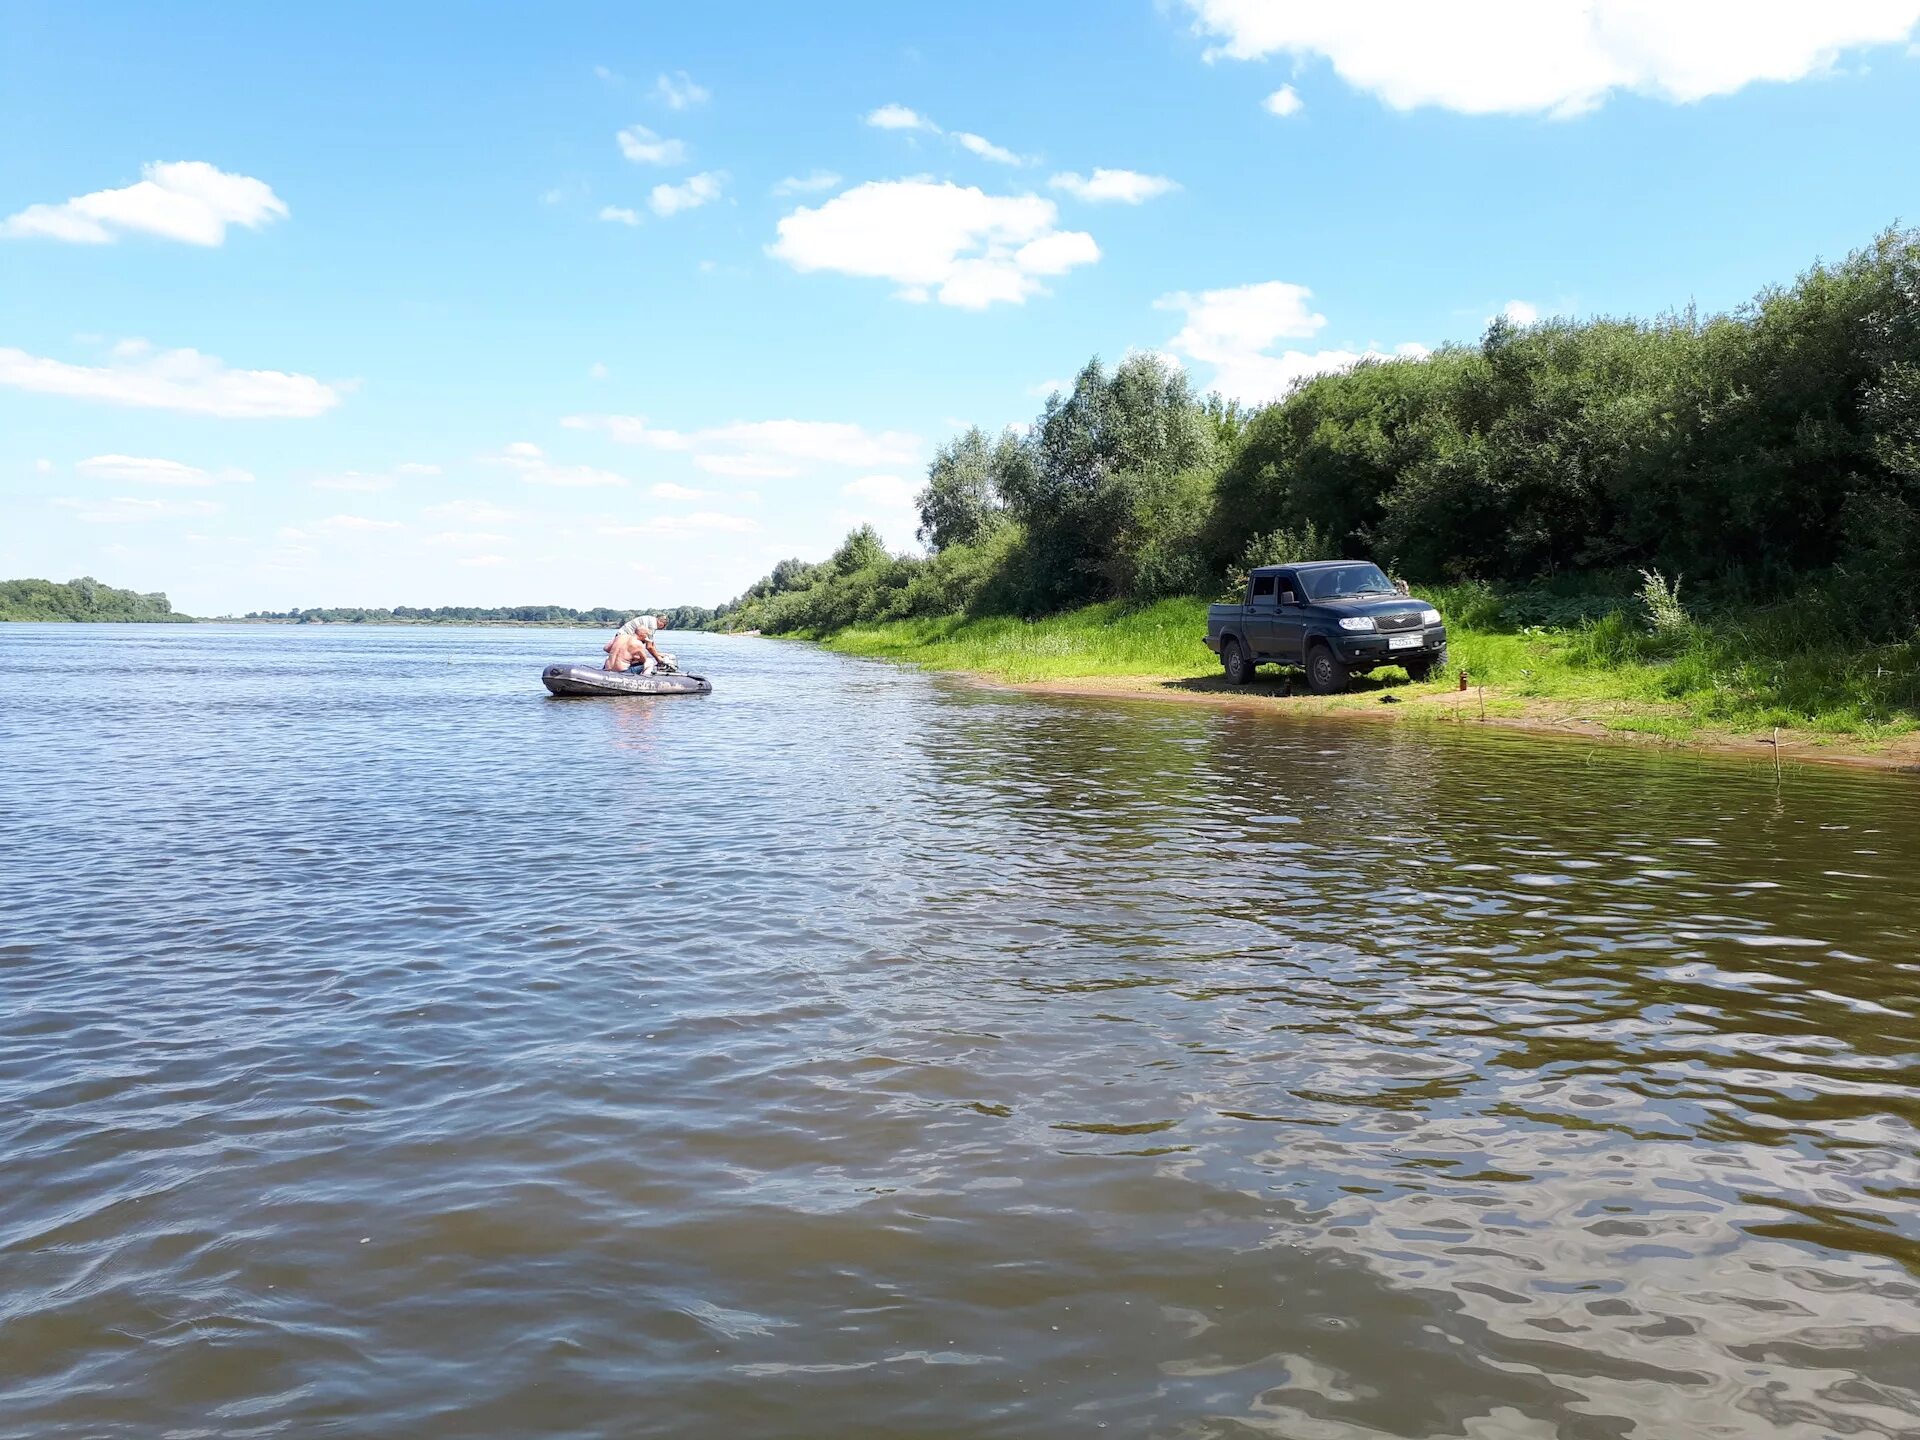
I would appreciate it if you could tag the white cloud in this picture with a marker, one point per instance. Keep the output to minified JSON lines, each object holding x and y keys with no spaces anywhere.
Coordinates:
{"x":596,"y":371}
{"x":1521,"y":312}
{"x":355,"y":525}
{"x":1561,"y":57}
{"x":183,"y":380}
{"x":144,"y":470}
{"x":185,"y":200}
{"x":1234,"y":331}
{"x":619,"y":215}
{"x":899,"y":117}
{"x":1128,"y":187}
{"x":125,"y":510}
{"x":465,"y":539}
{"x":365,"y":483}
{"x":1283,"y":102}
{"x":969,"y":248}
{"x":809,"y":184}
{"x":533,"y":466}
{"x":470,"y":512}
{"x":887,"y":490}
{"x":643,"y":147}
{"x":986,"y":149}
{"x":43,"y":466}
{"x":763,"y":448}
{"x":701,"y":522}
{"x":678,"y":91}
{"x":667,"y":490}
{"x":482,"y":560}
{"x":691,"y":194}
{"x":1046,"y":388}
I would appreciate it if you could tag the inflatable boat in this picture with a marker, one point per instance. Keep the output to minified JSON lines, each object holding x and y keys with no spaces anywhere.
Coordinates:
{"x":592,"y":680}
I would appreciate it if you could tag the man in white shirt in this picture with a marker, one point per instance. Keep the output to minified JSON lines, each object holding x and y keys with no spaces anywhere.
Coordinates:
{"x":634,"y":641}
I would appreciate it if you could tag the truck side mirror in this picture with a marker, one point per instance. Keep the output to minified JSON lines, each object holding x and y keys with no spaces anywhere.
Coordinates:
{"x":1286,"y":597}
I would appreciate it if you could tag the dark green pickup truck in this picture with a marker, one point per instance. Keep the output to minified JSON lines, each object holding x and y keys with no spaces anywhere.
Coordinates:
{"x":1331,"y":618}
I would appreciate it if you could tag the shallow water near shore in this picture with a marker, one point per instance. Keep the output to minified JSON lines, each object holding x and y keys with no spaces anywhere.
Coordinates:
{"x":389,"y":1049}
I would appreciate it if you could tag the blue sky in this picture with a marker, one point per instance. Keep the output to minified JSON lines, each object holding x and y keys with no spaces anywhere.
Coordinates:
{"x":618,"y":304}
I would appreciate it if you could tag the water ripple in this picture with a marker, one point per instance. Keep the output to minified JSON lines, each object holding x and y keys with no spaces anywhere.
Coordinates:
{"x":387,"y":1049}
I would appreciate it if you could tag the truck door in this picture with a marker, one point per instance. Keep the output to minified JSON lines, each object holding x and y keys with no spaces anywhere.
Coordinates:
{"x":1261,"y":614}
{"x":1287,"y":632}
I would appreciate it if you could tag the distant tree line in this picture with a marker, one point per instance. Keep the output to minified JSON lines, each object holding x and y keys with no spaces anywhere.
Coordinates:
{"x":1766,"y":454}
{"x":82,"y":599}
{"x":679,"y":616}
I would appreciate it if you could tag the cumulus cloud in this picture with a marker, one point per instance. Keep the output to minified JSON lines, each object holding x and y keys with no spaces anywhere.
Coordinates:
{"x":470,"y":512}
{"x":1283,"y":102}
{"x":643,"y":147}
{"x":690,"y":194}
{"x":770,"y":449}
{"x":1235,"y":330}
{"x":809,"y":184}
{"x":147,"y":470}
{"x":887,"y":490}
{"x":532,"y":465}
{"x":1553,"y":56}
{"x":1127,"y":187}
{"x":182,"y":380}
{"x":371,"y":483}
{"x":986,"y":149}
{"x":936,"y":240}
{"x":185,"y":200}
{"x":679,"y":92}
{"x":126,"y":510}
{"x":1521,"y":312}
{"x":899,"y":117}
{"x":355,"y":525}
{"x":667,"y":490}
{"x":619,"y":215}
{"x":701,"y":522}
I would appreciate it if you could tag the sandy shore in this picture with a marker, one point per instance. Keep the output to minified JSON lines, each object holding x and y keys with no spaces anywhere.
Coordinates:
{"x":1601,"y":722}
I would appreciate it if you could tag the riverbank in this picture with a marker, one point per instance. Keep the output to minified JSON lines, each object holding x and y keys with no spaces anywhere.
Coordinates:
{"x":1733,"y":687}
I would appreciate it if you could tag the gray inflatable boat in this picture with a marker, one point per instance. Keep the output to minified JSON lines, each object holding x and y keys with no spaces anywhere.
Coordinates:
{"x":592,"y":680}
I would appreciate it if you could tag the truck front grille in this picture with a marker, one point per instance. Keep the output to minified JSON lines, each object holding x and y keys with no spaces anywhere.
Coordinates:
{"x":1409,"y":621}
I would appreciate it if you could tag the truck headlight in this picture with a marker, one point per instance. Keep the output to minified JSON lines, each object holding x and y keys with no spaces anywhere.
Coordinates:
{"x":1429,"y":617}
{"x":1357,"y":622}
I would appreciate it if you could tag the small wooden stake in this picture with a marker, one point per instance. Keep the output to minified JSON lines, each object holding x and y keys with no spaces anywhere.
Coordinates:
{"x":1776,"y":755}
{"x":1483,"y":704}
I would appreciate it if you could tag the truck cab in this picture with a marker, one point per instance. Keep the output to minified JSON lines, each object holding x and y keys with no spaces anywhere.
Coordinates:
{"x":1330,"y":618}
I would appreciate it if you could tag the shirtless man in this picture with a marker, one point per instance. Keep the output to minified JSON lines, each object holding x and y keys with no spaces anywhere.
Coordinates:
{"x":634,"y":641}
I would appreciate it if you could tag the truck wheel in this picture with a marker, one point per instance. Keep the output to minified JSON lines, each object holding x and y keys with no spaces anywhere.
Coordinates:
{"x":1419,"y":670}
{"x":1325,"y":674}
{"x":1239,"y":663}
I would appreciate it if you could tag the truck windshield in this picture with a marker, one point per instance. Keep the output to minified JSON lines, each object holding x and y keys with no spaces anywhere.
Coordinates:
{"x":1345,"y":582}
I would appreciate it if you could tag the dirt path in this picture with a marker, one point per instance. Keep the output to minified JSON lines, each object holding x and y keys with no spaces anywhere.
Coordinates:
{"x":1608,"y":722}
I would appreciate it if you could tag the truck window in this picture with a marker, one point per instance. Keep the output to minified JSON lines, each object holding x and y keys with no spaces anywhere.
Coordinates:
{"x":1263,"y":587}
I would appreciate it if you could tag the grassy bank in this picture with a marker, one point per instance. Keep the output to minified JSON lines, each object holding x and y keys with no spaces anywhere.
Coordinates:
{"x":1736,"y":674}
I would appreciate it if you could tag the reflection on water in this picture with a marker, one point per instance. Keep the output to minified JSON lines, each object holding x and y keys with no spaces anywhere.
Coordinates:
{"x":389,"y":1049}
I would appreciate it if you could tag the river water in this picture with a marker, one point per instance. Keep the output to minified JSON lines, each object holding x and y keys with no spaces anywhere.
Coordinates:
{"x":387,"y":1049}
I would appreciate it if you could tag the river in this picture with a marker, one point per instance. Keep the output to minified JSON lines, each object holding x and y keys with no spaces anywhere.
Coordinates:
{"x":387,"y":1049}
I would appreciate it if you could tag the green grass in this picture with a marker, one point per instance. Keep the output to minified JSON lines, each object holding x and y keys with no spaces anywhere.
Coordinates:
{"x":1742,"y":673}
{"x":1112,"y":639}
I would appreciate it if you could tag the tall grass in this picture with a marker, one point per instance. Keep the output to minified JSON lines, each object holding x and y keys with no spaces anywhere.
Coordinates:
{"x":1742,"y":672}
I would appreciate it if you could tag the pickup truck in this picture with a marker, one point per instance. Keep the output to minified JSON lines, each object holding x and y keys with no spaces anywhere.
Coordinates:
{"x":1331,"y":618}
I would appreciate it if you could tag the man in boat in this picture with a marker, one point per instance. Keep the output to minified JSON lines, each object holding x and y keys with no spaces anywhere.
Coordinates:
{"x":634,"y":641}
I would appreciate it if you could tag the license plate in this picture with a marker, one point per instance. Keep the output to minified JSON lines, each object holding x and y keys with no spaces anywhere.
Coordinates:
{"x":1404,"y":642}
